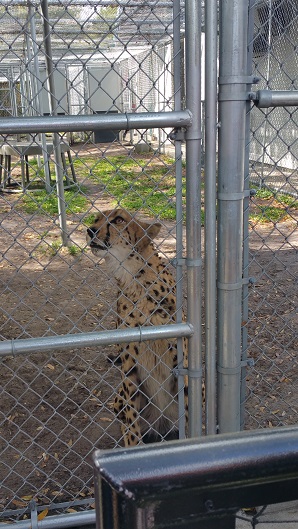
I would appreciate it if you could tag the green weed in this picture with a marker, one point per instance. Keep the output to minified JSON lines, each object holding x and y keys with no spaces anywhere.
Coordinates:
{"x":74,"y":250}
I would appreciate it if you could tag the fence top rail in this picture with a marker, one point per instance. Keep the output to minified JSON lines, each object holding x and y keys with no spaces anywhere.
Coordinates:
{"x":110,"y":121}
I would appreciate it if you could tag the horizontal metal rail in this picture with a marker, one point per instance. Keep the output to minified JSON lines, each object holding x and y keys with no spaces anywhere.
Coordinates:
{"x":59,"y":521}
{"x":68,"y":341}
{"x":106,"y":3}
{"x":276,"y":98}
{"x":182,"y":483}
{"x":126,"y":121}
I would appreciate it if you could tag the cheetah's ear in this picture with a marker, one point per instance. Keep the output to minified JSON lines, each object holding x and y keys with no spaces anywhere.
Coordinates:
{"x":151,"y":231}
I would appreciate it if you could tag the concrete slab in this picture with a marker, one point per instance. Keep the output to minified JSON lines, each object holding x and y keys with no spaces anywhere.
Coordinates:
{"x":281,"y":515}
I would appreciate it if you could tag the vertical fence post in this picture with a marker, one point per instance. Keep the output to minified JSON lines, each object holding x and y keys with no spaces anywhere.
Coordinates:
{"x":53,"y":110}
{"x":193,"y":211}
{"x":210,"y":210}
{"x":232,"y":115}
{"x":179,"y":210}
{"x":246,"y":223}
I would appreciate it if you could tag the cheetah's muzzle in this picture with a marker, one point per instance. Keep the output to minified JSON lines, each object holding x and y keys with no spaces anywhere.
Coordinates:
{"x":92,"y":235}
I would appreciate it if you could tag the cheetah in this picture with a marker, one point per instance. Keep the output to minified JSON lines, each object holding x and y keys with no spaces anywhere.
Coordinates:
{"x":146,"y":403}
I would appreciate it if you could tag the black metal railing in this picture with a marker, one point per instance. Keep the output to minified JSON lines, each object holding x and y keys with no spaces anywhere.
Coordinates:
{"x":195,"y":483}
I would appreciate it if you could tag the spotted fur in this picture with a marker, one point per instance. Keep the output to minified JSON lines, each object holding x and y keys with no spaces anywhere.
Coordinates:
{"x":146,"y":402}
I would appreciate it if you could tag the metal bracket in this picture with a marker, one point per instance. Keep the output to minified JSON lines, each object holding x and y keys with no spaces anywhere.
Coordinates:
{"x":183,"y":371}
{"x":238,"y":79}
{"x":251,"y":281}
{"x":234,"y":80}
{"x":229,"y":370}
{"x":236,"y":286}
{"x":184,"y":261}
{"x":229,"y":286}
{"x":33,"y":512}
{"x":249,"y":362}
{"x":233,"y":196}
{"x":239,"y":96}
{"x":177,"y":135}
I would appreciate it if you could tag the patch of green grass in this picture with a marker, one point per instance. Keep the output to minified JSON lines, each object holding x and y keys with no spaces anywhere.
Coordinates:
{"x":269,"y":214}
{"x":47,"y":203}
{"x":263,"y":193}
{"x":288,"y":201}
{"x":50,"y":249}
{"x":143,"y":184}
{"x":267,"y":194}
{"x":89,"y":219}
{"x":269,"y":206}
{"x":53,"y":248}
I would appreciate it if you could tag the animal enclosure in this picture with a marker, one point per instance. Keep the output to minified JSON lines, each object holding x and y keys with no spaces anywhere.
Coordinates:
{"x":101,"y":106}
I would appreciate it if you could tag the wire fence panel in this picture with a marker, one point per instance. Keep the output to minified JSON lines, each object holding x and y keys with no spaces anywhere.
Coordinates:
{"x":117,"y":58}
{"x":272,"y":301}
{"x":273,"y":146}
{"x":58,"y":406}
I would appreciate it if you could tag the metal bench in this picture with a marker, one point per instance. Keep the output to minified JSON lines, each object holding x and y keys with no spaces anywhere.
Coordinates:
{"x":23,"y":150}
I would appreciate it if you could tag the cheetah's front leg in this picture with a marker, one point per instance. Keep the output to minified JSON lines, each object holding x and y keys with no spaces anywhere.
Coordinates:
{"x":127,"y":406}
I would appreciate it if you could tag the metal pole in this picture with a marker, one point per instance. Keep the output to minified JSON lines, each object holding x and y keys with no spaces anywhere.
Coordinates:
{"x":89,"y":339}
{"x":59,"y":521}
{"x":276,"y":98}
{"x":38,"y":94}
{"x":210,"y":210}
{"x":193,"y":211}
{"x":32,"y":60}
{"x":53,"y":110}
{"x":179,"y":211}
{"x":182,"y":118}
{"x":264,"y":133}
{"x":232,"y":114}
{"x":12,"y":87}
{"x":29,"y":93}
{"x":246,"y":225}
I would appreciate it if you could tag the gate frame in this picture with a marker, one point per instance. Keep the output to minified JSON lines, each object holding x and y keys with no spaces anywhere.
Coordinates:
{"x":190,"y":120}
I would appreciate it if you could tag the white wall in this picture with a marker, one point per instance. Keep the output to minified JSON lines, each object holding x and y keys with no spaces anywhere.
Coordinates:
{"x":104,"y":89}
{"x":60,"y":91}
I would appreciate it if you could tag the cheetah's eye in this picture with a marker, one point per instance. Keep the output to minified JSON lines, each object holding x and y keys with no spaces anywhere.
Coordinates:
{"x":118,"y":220}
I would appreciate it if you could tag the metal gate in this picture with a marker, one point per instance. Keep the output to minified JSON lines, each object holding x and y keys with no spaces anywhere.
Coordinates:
{"x":69,"y":71}
{"x":94,"y":68}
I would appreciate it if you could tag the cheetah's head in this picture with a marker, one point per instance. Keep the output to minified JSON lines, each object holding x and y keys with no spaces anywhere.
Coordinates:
{"x":119,"y":235}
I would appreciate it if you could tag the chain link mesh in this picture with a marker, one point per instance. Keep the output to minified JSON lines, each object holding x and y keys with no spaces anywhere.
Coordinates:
{"x":106,"y":57}
{"x":118,"y":57}
{"x":272,"y":323}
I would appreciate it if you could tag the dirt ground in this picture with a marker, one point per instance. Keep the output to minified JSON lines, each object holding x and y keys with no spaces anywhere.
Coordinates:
{"x":56,"y":407}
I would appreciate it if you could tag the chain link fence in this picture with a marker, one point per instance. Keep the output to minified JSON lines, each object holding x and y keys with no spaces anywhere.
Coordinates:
{"x":272,"y":298}
{"x":111,"y":58}
{"x":106,"y":58}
